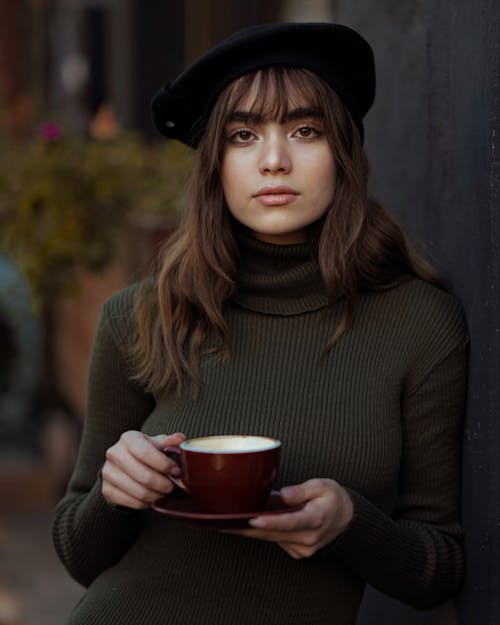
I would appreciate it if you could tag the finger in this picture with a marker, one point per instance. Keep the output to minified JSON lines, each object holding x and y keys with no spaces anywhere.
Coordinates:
{"x":130,"y":487}
{"x":300,"y":493}
{"x":144,"y":449}
{"x":295,"y":551}
{"x":308,"y":518}
{"x":162,"y":440}
{"x":128,"y":467}
{"x":280,"y":522}
{"x":116,"y":497}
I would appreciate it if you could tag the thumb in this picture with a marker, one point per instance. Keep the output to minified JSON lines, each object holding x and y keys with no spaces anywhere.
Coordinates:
{"x":162,"y":440}
{"x":300,"y":493}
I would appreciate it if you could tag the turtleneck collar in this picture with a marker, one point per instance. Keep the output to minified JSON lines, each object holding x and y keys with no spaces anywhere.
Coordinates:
{"x":278,"y":279}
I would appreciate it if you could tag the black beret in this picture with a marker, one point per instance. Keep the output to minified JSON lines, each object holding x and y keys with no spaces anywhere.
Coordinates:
{"x":336,"y":53}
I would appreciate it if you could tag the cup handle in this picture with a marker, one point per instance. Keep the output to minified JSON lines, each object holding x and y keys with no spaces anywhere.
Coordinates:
{"x":176,"y":451}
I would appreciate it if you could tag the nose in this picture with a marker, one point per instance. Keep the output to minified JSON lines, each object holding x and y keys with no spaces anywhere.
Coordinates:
{"x":275,"y":156}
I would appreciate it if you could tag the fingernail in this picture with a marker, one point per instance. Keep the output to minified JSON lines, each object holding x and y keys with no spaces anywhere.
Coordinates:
{"x":286,"y":492}
{"x":257,"y":522}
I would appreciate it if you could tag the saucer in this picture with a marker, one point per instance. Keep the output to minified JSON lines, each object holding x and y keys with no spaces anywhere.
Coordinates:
{"x":178,"y":505}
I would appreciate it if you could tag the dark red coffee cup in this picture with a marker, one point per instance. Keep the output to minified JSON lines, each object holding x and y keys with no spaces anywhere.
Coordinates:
{"x":227,"y":474}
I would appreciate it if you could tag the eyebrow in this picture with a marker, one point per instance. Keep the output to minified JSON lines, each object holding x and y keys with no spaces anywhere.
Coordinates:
{"x":293,"y":115}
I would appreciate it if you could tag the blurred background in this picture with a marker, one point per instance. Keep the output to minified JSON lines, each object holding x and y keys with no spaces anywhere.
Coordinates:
{"x":87,"y":193}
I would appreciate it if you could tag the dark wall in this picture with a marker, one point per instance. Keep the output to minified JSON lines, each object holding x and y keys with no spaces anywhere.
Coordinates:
{"x":159,"y":32}
{"x":433,"y":141}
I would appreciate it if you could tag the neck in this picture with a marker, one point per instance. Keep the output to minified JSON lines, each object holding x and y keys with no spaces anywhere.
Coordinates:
{"x":280,"y":279}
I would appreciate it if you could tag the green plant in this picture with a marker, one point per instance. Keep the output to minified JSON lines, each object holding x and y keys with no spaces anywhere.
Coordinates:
{"x":64,"y":199}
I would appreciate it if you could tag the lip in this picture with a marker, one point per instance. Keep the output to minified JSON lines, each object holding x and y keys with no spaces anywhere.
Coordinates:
{"x":281,"y":190}
{"x":276,"y":196}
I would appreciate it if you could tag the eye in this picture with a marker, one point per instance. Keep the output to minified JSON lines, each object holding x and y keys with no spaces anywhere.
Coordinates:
{"x":241,"y":136}
{"x":306,"y":132}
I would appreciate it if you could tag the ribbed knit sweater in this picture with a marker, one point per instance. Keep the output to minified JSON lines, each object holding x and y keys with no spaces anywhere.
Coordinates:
{"x":381,"y":414}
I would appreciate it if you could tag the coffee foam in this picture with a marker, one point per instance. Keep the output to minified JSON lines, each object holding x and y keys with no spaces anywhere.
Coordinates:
{"x":230,"y":443}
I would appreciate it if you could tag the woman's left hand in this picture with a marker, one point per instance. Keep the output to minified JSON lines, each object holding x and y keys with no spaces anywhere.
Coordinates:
{"x":327,"y":512}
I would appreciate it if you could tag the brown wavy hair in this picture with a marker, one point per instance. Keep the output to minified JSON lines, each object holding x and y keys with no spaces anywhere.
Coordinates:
{"x":358,"y":243}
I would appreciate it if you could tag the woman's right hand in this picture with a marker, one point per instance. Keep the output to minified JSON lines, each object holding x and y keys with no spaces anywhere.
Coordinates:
{"x":136,"y":470}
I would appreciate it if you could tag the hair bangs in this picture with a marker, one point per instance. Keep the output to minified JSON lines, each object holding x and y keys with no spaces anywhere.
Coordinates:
{"x":272,"y":92}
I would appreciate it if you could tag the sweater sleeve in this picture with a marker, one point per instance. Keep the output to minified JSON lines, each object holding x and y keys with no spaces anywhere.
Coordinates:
{"x":415,"y":555}
{"x":89,"y":535}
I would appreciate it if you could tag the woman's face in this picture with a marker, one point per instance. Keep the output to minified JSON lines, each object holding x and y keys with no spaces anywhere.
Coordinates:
{"x":278,"y":177}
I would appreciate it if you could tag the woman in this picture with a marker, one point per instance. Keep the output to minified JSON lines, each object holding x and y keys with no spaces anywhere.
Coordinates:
{"x":288,"y":304}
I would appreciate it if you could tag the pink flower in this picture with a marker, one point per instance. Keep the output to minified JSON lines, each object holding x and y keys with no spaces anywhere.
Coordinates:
{"x":50,"y":131}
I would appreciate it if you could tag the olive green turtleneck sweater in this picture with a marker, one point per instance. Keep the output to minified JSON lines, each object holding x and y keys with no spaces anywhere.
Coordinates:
{"x":381,"y":415}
